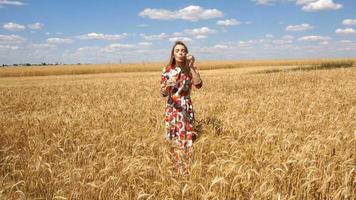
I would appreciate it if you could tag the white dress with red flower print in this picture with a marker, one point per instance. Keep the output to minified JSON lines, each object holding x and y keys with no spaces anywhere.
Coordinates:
{"x":179,"y":114}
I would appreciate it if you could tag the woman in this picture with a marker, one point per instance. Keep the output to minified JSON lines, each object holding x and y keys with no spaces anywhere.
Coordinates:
{"x":176,"y":84}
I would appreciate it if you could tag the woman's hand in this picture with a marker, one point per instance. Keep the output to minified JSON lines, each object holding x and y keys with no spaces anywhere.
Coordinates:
{"x":172,"y":81}
{"x":194,"y":70}
{"x":191,"y":61}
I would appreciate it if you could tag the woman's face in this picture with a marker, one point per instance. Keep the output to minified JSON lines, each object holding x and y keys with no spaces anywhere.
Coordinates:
{"x":179,"y":53}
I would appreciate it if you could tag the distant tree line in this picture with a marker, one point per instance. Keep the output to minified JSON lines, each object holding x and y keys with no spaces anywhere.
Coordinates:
{"x":34,"y":64}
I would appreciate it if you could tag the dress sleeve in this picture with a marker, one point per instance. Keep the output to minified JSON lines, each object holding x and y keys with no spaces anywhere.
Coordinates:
{"x":164,"y":87}
{"x":199,"y":85}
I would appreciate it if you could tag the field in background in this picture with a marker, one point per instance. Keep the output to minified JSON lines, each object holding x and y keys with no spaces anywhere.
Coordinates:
{"x":264,"y":133}
{"x":151,"y":67}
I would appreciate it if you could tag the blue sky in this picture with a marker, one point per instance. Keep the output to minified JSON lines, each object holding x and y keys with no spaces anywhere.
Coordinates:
{"x":110,"y":31}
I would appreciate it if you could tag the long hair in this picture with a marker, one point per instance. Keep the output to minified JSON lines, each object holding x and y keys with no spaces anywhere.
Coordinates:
{"x":172,"y":60}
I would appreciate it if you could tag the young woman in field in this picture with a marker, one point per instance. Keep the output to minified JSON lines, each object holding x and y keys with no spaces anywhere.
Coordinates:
{"x":177,"y":80}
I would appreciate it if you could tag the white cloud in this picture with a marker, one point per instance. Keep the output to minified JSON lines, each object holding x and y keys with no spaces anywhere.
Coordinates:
{"x":43,"y":46}
{"x":281,"y":42}
{"x":9,"y":47}
{"x":121,"y":46}
{"x":189,"y":13}
{"x":324,"y":43}
{"x":269,"y":36}
{"x":307,"y":5}
{"x":129,"y":46}
{"x":117,"y":53}
{"x":178,"y":34}
{"x":59,"y":41}
{"x":288,"y":37}
{"x":346,"y":31}
{"x":101,"y":36}
{"x":247,"y":43}
{"x":88,"y":49}
{"x":197,"y":33}
{"x":11,"y":39}
{"x":349,"y":22}
{"x":161,"y":36}
{"x":264,"y":2}
{"x":201,"y":37}
{"x":301,"y":27}
{"x":313,"y":38}
{"x":11,"y":2}
{"x":14,"y":27}
{"x":345,"y":41}
{"x":228,"y":22}
{"x":317,"y":5}
{"x":184,"y":39}
{"x":118,"y":47}
{"x":303,"y":2}
{"x":220,"y":46}
{"x":146,"y":44}
{"x":200,"y":31}
{"x":35,"y":26}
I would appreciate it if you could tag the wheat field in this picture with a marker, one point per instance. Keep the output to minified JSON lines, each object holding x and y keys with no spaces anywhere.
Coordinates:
{"x":152,"y":67}
{"x":264,"y":133}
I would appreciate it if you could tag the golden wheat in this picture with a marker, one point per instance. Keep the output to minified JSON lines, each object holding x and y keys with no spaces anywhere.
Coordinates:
{"x":152,"y":67}
{"x":282,"y":135}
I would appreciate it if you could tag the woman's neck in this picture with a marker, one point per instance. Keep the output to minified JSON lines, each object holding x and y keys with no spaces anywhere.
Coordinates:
{"x":179,"y":64}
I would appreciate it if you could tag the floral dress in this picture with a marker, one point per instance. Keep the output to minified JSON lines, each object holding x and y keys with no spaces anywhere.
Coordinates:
{"x":179,"y":114}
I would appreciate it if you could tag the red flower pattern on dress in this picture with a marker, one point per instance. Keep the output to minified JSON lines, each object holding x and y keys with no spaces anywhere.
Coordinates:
{"x":179,"y":113}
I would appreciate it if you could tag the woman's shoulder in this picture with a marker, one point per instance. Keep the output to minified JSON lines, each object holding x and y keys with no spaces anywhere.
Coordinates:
{"x":167,"y":68}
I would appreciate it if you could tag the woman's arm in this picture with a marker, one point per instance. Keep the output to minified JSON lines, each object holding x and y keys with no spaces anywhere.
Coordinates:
{"x":166,"y":85}
{"x":164,"y":91}
{"x":197,"y":81}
